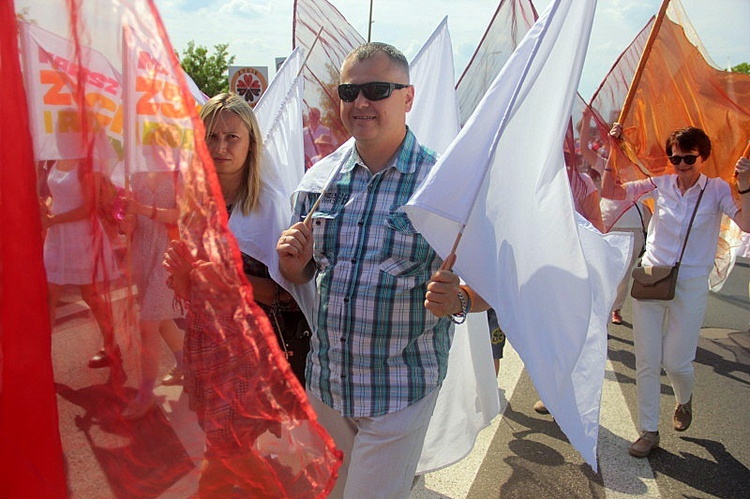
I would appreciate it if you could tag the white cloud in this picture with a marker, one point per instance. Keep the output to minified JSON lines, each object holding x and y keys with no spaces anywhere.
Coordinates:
{"x":245,"y":8}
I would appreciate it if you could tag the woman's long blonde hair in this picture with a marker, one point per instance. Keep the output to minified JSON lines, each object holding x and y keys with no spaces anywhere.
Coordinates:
{"x":249,"y":190}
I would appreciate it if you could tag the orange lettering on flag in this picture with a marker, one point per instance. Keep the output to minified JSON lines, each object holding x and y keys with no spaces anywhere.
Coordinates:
{"x":162,"y":134}
{"x":48,"y":127}
{"x":146,"y":104}
{"x":100,"y":103}
{"x":173,"y":107}
{"x":67,"y":121}
{"x":56,"y":95}
{"x":151,"y":88}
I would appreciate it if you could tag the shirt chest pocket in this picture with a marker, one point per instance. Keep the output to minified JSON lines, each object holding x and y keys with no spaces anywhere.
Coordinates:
{"x":405,"y":252}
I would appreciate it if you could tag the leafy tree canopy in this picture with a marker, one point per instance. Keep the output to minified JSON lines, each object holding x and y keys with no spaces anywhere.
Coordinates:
{"x":209,"y":71}
{"x":742,"y":68}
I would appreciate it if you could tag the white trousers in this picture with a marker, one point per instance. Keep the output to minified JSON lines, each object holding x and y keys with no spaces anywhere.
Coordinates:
{"x":666,"y":335}
{"x":380,"y":453}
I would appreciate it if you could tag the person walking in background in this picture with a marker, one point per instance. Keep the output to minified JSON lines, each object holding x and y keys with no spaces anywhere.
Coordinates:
{"x":619,"y":215}
{"x":153,"y":210}
{"x":78,"y":252}
{"x":312,"y":132}
{"x":634,"y":220}
{"x":666,"y":333}
{"x":497,"y":338}
{"x":325,"y":146}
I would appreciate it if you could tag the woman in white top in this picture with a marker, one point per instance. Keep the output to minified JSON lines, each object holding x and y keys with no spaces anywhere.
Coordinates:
{"x":666,"y":333}
{"x":78,"y":252}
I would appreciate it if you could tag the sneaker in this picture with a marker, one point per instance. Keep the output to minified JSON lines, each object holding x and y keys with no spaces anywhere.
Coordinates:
{"x":648,"y":441}
{"x":616,"y":317}
{"x":540,"y":408}
{"x":683,"y":416}
{"x":173,"y":377}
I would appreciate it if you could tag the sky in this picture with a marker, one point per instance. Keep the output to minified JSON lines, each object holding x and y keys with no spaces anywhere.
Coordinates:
{"x":258,"y":31}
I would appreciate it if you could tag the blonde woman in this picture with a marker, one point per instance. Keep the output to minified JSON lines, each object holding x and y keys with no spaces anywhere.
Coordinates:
{"x":213,"y":368}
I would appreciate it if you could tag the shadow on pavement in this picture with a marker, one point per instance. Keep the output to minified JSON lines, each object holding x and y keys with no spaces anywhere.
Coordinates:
{"x":724,"y":477}
{"x":141,"y":458}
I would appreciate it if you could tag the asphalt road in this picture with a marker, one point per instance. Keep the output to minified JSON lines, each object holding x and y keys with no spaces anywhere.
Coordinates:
{"x":525,"y":455}
{"x":522,"y":454}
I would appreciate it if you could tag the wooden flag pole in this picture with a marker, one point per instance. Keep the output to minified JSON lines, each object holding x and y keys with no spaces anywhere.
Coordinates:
{"x":450,"y":259}
{"x":642,"y":61}
{"x":309,"y":52}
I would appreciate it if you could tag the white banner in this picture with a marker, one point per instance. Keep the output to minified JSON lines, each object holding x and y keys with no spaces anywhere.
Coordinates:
{"x":549,"y":275}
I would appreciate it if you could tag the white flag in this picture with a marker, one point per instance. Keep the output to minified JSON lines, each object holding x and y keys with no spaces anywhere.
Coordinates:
{"x":51,"y":72}
{"x":157,"y":118}
{"x":549,"y":276}
{"x":279,"y":114}
{"x":434,"y":114}
{"x":509,"y":24}
{"x":468,"y":399}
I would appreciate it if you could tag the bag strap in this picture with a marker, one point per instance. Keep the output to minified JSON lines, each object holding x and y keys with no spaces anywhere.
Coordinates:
{"x":643,"y":227}
{"x":695,"y":210}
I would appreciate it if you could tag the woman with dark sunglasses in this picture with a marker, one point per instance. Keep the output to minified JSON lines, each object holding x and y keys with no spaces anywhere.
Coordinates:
{"x":665,"y":333}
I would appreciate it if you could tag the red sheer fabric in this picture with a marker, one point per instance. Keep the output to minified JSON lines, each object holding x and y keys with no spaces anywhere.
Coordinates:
{"x":30,"y":448}
{"x":582,"y":174}
{"x":122,"y":166}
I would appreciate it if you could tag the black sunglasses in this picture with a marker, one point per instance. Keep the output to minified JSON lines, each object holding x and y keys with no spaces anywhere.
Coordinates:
{"x":375,"y":90}
{"x":688,"y":158}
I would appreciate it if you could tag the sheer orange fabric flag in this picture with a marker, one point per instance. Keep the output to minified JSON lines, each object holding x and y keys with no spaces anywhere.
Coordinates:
{"x":118,"y":159}
{"x":678,"y":88}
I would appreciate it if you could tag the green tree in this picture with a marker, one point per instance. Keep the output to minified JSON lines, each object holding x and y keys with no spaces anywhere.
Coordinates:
{"x":742,"y":68}
{"x":209,"y":71}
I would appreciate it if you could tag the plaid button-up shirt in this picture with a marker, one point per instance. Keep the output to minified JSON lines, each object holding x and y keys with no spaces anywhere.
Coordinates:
{"x":376,"y":348}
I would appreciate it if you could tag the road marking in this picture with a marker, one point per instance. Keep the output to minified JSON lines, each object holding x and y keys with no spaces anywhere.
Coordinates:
{"x":456,"y":480}
{"x":623,"y":475}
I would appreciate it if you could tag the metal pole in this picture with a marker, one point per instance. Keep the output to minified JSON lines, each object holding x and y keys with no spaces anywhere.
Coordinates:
{"x":369,"y":24}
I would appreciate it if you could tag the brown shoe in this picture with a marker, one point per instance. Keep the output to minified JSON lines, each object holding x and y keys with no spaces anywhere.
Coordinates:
{"x":173,"y":377}
{"x":683,"y":416}
{"x":648,"y":441}
{"x":540,"y":408}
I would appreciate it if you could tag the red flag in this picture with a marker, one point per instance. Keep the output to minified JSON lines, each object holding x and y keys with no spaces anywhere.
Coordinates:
{"x":30,"y":449}
{"x":141,"y":146}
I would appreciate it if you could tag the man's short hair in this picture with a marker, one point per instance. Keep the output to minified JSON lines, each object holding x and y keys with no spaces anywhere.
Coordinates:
{"x":367,"y":50}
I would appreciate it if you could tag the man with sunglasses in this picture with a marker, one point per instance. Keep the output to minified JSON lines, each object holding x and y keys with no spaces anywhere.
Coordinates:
{"x":665,"y":333}
{"x":384,"y":313}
